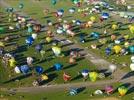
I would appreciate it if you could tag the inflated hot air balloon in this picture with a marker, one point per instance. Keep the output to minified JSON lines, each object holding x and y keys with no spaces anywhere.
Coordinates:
{"x":29,"y":41}
{"x":93,"y":18}
{"x":66,"y":77}
{"x":48,"y":39}
{"x":2,"y":30}
{"x":24,"y":69}
{"x":117,"y":49}
{"x":108,"y":51}
{"x":44,"y":77}
{"x":131,"y":28}
{"x":58,"y":66}
{"x":105,"y":15}
{"x":56,"y":50}
{"x":38,"y":47}
{"x":112,"y":68}
{"x":73,"y":91}
{"x":39,"y":69}
{"x":95,"y":35}
{"x":21,"y":5}
{"x":71,"y":10}
{"x":132,"y":59}
{"x":132,"y":66}
{"x":12,"y":62}
{"x":131,"y":49}
{"x":114,"y":26}
{"x":93,"y":76}
{"x":122,"y":90}
{"x":85,"y":73}
{"x":109,"y":89}
{"x":54,"y":2}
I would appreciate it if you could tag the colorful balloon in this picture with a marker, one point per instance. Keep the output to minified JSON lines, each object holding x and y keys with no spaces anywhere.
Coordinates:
{"x":122,"y":90}
{"x":93,"y":76}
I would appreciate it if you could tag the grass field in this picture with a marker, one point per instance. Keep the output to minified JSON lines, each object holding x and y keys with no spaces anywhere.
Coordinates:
{"x":35,"y":9}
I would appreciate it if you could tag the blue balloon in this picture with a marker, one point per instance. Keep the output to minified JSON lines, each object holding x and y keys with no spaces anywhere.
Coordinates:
{"x":105,"y":15}
{"x":73,"y":91}
{"x":78,"y":22}
{"x":58,"y":66}
{"x":85,"y":71}
{"x":95,"y":35}
{"x":39,"y":69}
{"x":29,"y":40}
{"x":131,"y":49}
{"x":61,"y":10}
{"x":107,"y":51}
{"x":24,"y":69}
{"x":38,"y":47}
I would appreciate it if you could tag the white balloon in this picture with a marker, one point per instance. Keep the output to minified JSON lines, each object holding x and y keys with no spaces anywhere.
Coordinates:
{"x":132,"y":66}
{"x":112,"y":68}
{"x":132,"y":59}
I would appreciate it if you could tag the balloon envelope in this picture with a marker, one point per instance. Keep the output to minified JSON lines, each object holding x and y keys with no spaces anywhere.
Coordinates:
{"x":122,"y":90}
{"x":93,"y":76}
{"x":58,"y":66}
{"x":24,"y":69}
{"x":39,"y":69}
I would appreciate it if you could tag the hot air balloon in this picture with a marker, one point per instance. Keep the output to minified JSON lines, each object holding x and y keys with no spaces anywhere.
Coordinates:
{"x":109,"y":89}
{"x":29,"y":41}
{"x":132,"y":59}
{"x":71,"y":10}
{"x":54,"y":2}
{"x":21,"y":5}
{"x":117,"y":49}
{"x":39,"y":69}
{"x":66,"y":77}
{"x":73,"y":91}
{"x":112,"y":68}
{"x":48,"y":39}
{"x":93,"y":76}
{"x":24,"y":69}
{"x":56,"y":50}
{"x":38,"y":47}
{"x":132,"y":66}
{"x":131,"y":49}
{"x":131,"y":28}
{"x":12,"y":62}
{"x":114,"y":26}
{"x":105,"y":15}
{"x":108,"y":51}
{"x":122,"y":90}
{"x":95,"y":35}
{"x":2,"y":30}
{"x":85,"y":73}
{"x":92,"y":18}
{"x":58,"y":66}
{"x":44,"y":77}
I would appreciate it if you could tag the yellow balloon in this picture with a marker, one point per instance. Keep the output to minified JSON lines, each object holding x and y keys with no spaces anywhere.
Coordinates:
{"x":12,"y":62}
{"x":117,"y":49}
{"x":122,"y":90}
{"x":48,"y":39}
{"x":93,"y":76}
{"x":114,"y":26}
{"x":131,"y":28}
{"x":92,"y":18}
{"x":2,"y":44}
{"x":44,"y":77}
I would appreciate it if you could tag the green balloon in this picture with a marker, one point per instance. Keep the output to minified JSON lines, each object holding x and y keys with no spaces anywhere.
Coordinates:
{"x":2,"y":30}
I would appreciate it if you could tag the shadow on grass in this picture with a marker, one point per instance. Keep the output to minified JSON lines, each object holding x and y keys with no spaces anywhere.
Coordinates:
{"x":128,"y":75}
{"x":70,"y":66}
{"x":18,"y":78}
